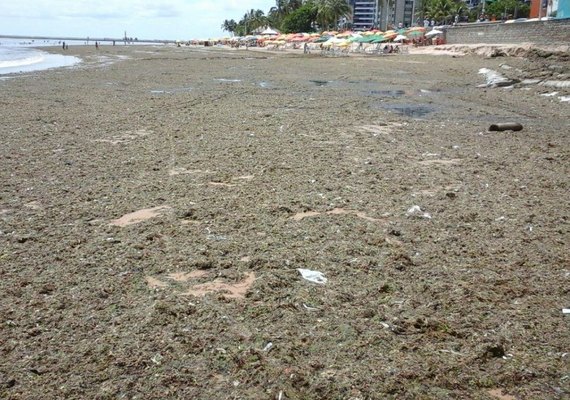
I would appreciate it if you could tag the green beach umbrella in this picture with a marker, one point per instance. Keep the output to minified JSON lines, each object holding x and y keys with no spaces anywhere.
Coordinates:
{"x":322,"y":39}
{"x":413,"y":34}
{"x":378,"y":39}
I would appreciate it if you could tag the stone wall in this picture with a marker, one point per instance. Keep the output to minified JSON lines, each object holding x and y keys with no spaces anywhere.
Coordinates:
{"x":552,"y":32}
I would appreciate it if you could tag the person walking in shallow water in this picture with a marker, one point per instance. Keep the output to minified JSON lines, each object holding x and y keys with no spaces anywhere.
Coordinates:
{"x":63,"y":46}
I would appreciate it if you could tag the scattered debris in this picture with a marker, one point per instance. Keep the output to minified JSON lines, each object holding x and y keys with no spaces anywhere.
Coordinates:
{"x":312,"y":276}
{"x":267,"y":347}
{"x":416,"y":211}
{"x":507,"y":126}
{"x":556,"y":84}
{"x":566,"y":311}
{"x":157,"y":359}
{"x":495,"y":79}
{"x":335,"y":211}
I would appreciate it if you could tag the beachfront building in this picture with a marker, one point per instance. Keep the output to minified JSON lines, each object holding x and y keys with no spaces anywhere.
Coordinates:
{"x":550,"y":8}
{"x":382,"y":14}
{"x":403,"y":13}
{"x":365,"y":14}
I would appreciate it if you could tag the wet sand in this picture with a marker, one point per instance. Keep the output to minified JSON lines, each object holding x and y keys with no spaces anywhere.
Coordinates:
{"x":157,"y":203}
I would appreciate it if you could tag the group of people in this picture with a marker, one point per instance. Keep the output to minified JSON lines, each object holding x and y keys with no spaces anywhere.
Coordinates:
{"x":425,"y":41}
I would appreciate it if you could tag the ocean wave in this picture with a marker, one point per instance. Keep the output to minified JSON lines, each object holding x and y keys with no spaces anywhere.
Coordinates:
{"x":22,"y":61}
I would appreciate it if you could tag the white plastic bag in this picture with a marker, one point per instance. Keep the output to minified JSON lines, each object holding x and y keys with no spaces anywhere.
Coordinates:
{"x":313,"y":276}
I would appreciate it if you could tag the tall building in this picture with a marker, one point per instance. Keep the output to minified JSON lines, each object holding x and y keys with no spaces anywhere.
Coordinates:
{"x":365,"y":14}
{"x":382,"y":14}
{"x":403,"y":13}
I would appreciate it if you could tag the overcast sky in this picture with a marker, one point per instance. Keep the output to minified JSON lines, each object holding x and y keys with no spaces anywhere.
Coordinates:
{"x":143,"y":19}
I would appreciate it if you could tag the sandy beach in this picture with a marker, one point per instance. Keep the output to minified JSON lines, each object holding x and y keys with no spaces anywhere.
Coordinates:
{"x":157,"y":204}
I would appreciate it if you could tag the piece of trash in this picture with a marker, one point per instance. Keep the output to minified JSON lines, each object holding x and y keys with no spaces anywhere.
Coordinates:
{"x":564,"y":99}
{"x":566,"y":311}
{"x":418,"y":212}
{"x":556,"y":84}
{"x":309,"y":308}
{"x":312,"y":276}
{"x":549,"y":94}
{"x":268,"y":347}
{"x":495,"y":79}
{"x":508,"y":126}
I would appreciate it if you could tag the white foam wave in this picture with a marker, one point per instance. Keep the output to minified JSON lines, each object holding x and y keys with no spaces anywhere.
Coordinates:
{"x":22,"y":61}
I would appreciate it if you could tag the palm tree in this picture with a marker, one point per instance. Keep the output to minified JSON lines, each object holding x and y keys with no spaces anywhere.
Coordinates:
{"x":330,"y":11}
{"x":251,"y":20}
{"x":279,"y":11}
{"x":442,"y":10}
{"x":283,"y":8}
{"x":229,"y":26}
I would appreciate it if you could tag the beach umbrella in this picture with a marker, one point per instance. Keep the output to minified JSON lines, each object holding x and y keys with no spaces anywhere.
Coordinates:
{"x":355,"y":38}
{"x":322,"y":39}
{"x":415,"y":33}
{"x":366,"y":39}
{"x":434,"y":32}
{"x":344,"y":34}
{"x":379,"y":39}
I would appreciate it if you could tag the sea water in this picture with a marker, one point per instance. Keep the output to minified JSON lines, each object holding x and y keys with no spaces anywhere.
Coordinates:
{"x":20,"y":55}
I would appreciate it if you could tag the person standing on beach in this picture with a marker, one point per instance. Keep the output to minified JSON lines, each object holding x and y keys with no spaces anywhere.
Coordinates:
{"x":63,"y":46}
{"x":96,"y":45}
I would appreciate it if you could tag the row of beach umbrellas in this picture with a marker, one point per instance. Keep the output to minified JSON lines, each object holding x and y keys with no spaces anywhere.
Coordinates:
{"x":344,"y":38}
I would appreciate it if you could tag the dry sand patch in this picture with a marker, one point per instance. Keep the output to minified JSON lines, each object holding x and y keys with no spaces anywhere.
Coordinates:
{"x":139,"y":216}
{"x":230,"y":290}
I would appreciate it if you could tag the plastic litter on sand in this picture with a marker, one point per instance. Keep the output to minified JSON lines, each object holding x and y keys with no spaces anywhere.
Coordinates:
{"x":313,"y":276}
{"x":418,"y":212}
